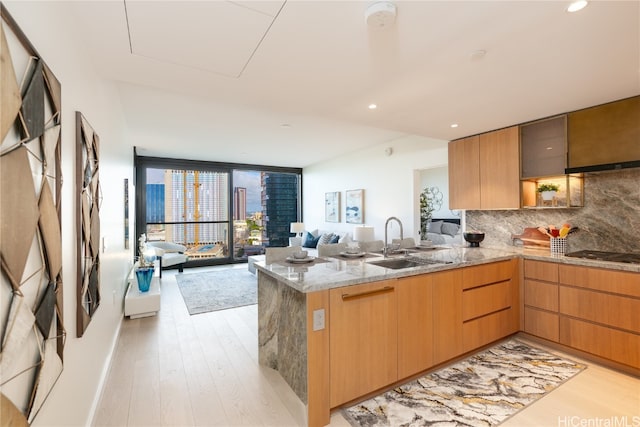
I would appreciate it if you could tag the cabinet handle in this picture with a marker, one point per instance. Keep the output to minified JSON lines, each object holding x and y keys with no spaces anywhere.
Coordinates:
{"x":367,"y":293}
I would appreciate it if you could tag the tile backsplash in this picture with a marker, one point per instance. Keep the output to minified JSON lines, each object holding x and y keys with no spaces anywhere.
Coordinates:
{"x":609,"y":220}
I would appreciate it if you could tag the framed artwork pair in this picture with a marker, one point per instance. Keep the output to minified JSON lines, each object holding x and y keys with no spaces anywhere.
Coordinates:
{"x":354,"y":206}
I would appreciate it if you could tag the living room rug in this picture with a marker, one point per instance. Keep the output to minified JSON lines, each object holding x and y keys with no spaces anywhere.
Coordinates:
{"x":217,"y":290}
{"x":483,"y":390}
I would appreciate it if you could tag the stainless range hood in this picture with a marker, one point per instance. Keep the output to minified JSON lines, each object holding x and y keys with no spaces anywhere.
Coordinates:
{"x":604,"y":137}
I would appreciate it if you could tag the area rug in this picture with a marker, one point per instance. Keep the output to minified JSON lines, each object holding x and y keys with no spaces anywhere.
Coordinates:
{"x":217,"y":290}
{"x":482,"y":390}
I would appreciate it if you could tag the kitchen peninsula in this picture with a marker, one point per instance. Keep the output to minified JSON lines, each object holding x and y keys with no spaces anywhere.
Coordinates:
{"x":338,"y":329}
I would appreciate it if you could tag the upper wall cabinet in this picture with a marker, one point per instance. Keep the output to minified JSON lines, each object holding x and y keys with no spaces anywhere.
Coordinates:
{"x":543,"y":147}
{"x":484,"y":171}
{"x":605,"y":136}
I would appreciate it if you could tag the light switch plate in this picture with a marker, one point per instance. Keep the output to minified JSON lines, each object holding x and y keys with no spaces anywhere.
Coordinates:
{"x":318,"y":319}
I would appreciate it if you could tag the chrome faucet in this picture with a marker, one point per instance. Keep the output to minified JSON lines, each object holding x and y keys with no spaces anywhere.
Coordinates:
{"x":385,"y":249}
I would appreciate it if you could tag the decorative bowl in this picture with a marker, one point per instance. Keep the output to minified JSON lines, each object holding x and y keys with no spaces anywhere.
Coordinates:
{"x":300,"y":254}
{"x":474,"y":238}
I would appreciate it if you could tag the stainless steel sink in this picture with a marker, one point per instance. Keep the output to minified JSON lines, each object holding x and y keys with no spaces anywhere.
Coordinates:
{"x":399,"y":263}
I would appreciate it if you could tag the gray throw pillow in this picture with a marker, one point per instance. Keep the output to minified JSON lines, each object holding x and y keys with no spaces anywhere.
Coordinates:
{"x":325,"y":239}
{"x":450,"y":228}
{"x":435,"y":227}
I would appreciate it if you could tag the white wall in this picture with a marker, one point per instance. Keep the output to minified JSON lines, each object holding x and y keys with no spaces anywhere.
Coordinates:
{"x":439,"y":177}
{"x":48,"y":25}
{"x":391,"y":184}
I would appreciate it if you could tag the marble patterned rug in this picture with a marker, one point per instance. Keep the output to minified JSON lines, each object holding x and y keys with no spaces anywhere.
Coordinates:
{"x":482,"y":390}
{"x":218,"y":290}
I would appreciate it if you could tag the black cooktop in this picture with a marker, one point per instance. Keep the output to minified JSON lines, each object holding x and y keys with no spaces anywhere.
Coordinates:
{"x":629,"y":258}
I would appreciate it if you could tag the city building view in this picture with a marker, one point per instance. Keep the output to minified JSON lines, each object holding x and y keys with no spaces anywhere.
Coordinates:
{"x":192,"y":208}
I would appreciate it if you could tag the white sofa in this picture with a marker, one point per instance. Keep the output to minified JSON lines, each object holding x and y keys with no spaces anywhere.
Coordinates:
{"x":169,"y":254}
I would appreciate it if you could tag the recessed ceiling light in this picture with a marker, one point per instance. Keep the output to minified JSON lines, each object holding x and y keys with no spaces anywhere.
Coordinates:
{"x":454,"y":125}
{"x":285,"y":126}
{"x":478,"y":54}
{"x":372,"y":106}
{"x":577,"y":5}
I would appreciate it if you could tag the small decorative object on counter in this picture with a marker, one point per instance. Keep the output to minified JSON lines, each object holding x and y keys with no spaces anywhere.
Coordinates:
{"x":144,"y":270}
{"x":558,"y":245}
{"x":474,"y":238}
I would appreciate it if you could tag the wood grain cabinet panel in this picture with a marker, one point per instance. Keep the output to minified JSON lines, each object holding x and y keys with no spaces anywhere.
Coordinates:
{"x":541,"y":295}
{"x":617,"y":282}
{"x":482,"y":275}
{"x":447,"y":315}
{"x":613,"y":344}
{"x":487,"y":329}
{"x":611,"y":310}
{"x":542,"y":324}
{"x":540,"y":270}
{"x":464,"y":173}
{"x":500,"y":169}
{"x":484,"y":300}
{"x":415,"y":325}
{"x":363,"y":334}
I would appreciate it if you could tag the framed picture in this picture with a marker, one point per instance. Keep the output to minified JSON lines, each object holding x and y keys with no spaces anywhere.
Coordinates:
{"x":355,"y":206}
{"x":332,"y":206}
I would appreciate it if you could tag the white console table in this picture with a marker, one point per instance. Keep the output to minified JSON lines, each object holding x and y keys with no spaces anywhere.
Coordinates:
{"x":142,"y":304}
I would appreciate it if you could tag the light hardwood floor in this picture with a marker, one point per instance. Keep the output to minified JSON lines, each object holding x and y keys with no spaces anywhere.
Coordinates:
{"x":180,"y":370}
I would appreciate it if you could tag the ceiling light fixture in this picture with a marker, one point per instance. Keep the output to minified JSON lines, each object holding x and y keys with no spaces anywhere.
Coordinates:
{"x":380,"y":14}
{"x":372,"y":106}
{"x":454,"y":125}
{"x":577,"y":5}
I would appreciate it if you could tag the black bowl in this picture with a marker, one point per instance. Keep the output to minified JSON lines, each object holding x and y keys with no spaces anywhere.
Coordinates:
{"x":474,"y":238}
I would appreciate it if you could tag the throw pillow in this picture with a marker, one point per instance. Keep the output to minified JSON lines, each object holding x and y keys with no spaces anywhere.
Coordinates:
{"x":450,"y":228}
{"x":310,"y":241}
{"x":325,"y":239}
{"x":346,"y":238}
{"x":435,"y":227}
{"x":334,"y":239}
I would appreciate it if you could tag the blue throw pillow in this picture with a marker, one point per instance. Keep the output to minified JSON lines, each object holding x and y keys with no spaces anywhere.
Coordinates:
{"x":334,"y":239}
{"x":310,"y":241}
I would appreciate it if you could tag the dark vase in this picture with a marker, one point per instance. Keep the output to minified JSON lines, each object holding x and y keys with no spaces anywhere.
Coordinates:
{"x":144,"y":276}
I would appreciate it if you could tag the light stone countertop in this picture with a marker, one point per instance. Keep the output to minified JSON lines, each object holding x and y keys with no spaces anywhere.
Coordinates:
{"x":329,"y":272}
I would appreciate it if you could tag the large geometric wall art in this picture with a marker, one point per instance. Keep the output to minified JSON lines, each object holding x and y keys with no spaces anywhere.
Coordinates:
{"x":32,"y":334}
{"x":87,"y":222}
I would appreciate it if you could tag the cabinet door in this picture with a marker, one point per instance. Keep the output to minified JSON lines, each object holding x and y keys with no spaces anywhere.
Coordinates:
{"x":415,"y":325}
{"x":363,"y":339}
{"x":500,"y":169}
{"x":464,"y":173}
{"x":447,"y":315}
{"x":543,"y":147}
{"x":592,"y":130}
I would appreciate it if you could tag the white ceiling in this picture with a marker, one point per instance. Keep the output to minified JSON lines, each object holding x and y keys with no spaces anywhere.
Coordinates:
{"x":216,"y":80}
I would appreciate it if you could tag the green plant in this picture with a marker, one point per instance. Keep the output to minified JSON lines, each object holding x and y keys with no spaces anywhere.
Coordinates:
{"x":430,"y":201}
{"x":548,"y":187}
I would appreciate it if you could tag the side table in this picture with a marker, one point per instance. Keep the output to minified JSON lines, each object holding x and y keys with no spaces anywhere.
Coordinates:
{"x":142,"y":304}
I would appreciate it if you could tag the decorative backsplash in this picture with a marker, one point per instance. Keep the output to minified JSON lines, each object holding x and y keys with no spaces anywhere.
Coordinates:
{"x":609,"y":220}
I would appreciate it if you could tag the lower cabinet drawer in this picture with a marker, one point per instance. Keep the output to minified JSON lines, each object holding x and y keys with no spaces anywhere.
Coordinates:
{"x":541,"y":324}
{"x":483,"y":300}
{"x":481,"y":331}
{"x":613,"y":344}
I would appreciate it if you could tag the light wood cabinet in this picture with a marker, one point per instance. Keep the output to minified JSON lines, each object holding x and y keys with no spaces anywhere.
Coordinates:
{"x":484,"y":171}
{"x":363,"y":333}
{"x":600,"y":312}
{"x":415,"y":325}
{"x":490,"y":303}
{"x":464,"y":173}
{"x":541,"y":299}
{"x":500,"y":169}
{"x":447,"y":315}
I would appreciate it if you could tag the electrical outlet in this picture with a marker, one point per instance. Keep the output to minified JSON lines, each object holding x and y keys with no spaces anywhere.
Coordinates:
{"x":318,"y":319}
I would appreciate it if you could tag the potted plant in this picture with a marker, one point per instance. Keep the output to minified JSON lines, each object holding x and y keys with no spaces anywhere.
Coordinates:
{"x":430,"y":201}
{"x":548,"y":190}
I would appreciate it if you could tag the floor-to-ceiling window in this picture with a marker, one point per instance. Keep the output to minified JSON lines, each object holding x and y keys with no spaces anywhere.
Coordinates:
{"x":221,"y":212}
